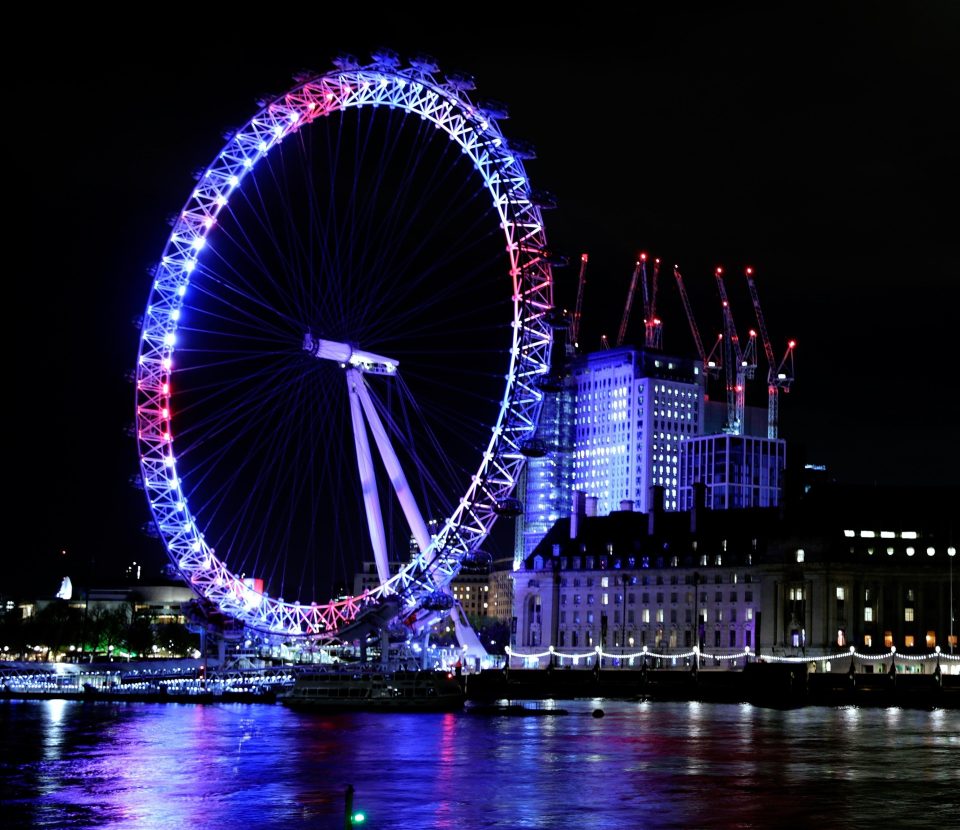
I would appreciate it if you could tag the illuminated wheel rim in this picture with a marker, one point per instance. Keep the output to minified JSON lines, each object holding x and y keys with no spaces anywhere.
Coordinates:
{"x":419,"y":91}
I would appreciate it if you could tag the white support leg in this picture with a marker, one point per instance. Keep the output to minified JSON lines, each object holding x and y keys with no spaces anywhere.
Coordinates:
{"x":466,"y":636}
{"x":418,"y":527}
{"x":368,"y":480}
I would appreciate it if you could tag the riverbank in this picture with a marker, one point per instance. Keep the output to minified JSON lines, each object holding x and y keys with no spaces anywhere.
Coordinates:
{"x":775,"y":685}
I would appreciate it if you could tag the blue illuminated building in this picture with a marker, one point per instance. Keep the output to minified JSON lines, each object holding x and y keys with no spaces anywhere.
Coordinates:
{"x":548,"y":478}
{"x":626,"y":420}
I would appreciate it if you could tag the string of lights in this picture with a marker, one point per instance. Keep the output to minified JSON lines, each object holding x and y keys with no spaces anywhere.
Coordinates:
{"x":644,"y":652}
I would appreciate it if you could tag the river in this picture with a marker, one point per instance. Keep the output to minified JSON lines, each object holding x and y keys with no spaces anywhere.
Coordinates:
{"x":643,"y":765}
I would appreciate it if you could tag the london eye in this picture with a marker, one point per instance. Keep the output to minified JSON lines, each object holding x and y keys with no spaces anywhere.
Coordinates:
{"x":342,"y":353}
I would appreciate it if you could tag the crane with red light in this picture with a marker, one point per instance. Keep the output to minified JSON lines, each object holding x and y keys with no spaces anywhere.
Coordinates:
{"x":653,"y":332}
{"x":631,"y":293}
{"x":779,"y":375}
{"x":578,"y":309}
{"x":652,"y":327}
{"x":740,"y":364}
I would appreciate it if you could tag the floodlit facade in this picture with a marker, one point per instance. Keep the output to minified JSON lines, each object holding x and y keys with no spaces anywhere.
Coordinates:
{"x":629,"y":580}
{"x":842,"y":568}
{"x":633,"y":409}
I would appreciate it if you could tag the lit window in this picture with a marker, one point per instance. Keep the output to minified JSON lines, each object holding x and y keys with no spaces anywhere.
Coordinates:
{"x":909,"y":534}
{"x":850,"y":534}
{"x":868,"y":614}
{"x":931,"y":639}
{"x":646,"y":615}
{"x":800,"y":555}
{"x":867,"y":641}
{"x":749,"y":614}
{"x":908,"y":641}
{"x":888,"y":639}
{"x":841,"y":593}
{"x":868,"y":534}
{"x":908,"y":615}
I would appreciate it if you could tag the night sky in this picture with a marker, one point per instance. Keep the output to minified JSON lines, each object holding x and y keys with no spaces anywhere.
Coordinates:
{"x":819,"y":148}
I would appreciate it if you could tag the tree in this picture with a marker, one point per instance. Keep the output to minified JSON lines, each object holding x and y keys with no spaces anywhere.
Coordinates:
{"x":56,"y":626}
{"x":13,"y":632}
{"x":139,"y":636}
{"x":177,"y":638}
{"x":107,"y":627}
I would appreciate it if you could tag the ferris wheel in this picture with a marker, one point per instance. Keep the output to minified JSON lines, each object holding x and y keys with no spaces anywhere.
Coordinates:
{"x":365,"y":257}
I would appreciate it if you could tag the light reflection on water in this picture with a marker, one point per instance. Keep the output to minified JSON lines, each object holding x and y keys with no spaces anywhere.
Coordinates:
{"x":649,"y":765}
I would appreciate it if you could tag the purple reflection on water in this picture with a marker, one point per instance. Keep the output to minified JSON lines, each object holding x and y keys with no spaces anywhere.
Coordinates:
{"x":102,"y":765}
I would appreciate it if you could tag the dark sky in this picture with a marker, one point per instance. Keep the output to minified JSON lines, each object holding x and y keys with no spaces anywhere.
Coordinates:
{"x":818,"y":146}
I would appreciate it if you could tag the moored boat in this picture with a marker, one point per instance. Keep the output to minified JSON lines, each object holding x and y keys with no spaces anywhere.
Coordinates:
{"x":400,"y":691}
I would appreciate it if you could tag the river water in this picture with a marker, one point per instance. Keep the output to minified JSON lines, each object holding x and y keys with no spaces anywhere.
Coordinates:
{"x":644,"y":765}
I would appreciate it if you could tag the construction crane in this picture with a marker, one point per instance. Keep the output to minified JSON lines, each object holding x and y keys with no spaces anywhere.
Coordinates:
{"x":740,"y":364}
{"x":641,"y":263}
{"x":653,"y":332}
{"x":690,"y":318}
{"x":578,"y":310}
{"x":779,"y":375}
{"x":715,"y":358}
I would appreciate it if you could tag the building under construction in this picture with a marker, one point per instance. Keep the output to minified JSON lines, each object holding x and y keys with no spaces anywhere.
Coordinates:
{"x":625,"y":419}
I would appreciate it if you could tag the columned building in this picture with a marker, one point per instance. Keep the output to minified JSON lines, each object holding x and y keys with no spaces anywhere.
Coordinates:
{"x":627,"y":580}
{"x":844,"y":567}
{"x":873,"y":568}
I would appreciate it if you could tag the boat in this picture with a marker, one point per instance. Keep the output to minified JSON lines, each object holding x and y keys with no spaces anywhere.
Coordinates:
{"x":363,"y":691}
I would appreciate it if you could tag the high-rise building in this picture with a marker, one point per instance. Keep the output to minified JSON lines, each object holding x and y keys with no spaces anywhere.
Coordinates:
{"x":633,"y":409}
